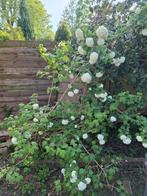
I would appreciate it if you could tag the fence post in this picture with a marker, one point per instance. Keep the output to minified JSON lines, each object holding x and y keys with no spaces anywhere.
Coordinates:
{"x":145,"y":163}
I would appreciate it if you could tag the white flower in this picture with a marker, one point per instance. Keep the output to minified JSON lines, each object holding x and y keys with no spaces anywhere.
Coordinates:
{"x":72,"y":118}
{"x":89,"y":42}
{"x":76,"y":91}
{"x":73,"y":178}
{"x":50,"y":125}
{"x":144,"y":145}
{"x":99,"y":74}
{"x":82,"y":186}
{"x":101,"y":86}
{"x":123,"y":137}
{"x":93,"y":58}
{"x":70,"y":94}
{"x":35,"y":106}
{"x":90,"y":89}
{"x":127,"y":141}
{"x":102,"y":32}
{"x":79,"y":34}
{"x":139,"y":138}
{"x":122,"y":59}
{"x":117,"y":62}
{"x":74,"y":162}
{"x":14,"y":140}
{"x":102,"y":142}
{"x":102,"y":95}
{"x":137,"y":10}
{"x":82,"y":117}
{"x":88,"y":180}
{"x":86,"y":78}
{"x":65,"y":122}
{"x":113,"y":119}
{"x":35,"y":120}
{"x":110,"y":97}
{"x":112,"y":55}
{"x":63,"y":171}
{"x":144,"y":32}
{"x":100,"y":42}
{"x":85,"y":136}
{"x":100,"y":137}
{"x":40,"y":133}
{"x":81,"y":50}
{"x":76,"y":126}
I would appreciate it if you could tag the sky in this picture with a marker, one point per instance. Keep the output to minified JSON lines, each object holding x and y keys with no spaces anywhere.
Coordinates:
{"x":55,"y":8}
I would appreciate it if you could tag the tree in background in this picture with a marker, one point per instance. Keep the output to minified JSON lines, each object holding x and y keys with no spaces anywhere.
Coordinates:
{"x":63,"y":32}
{"x":24,"y":21}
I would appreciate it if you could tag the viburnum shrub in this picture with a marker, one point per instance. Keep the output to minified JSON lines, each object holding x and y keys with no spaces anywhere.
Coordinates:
{"x":77,"y":136}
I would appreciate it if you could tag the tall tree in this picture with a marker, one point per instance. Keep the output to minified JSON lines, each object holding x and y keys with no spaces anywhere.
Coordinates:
{"x":9,"y":11}
{"x":24,"y":21}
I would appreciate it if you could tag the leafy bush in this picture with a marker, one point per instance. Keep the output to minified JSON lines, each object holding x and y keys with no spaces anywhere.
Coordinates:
{"x":85,"y":138}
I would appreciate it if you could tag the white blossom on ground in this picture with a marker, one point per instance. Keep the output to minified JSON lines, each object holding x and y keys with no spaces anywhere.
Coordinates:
{"x":14,"y":140}
{"x":144,"y":32}
{"x":82,"y":186}
{"x":81,"y":50}
{"x":70,"y":94}
{"x":65,"y":122}
{"x":73,"y":178}
{"x":85,"y":136}
{"x":123,"y":137}
{"x":100,"y":42}
{"x":79,"y":34}
{"x":86,"y":78}
{"x":139,"y":138}
{"x":35,"y":106}
{"x":40,"y":133}
{"x":102,"y":32}
{"x":89,"y":42}
{"x":35,"y":120}
{"x":76,"y":126}
{"x":122,"y":59}
{"x":144,"y":145}
{"x":72,"y":118}
{"x":113,"y":119}
{"x":88,"y":180}
{"x":76,"y":91}
{"x":99,"y":74}
{"x":93,"y":58}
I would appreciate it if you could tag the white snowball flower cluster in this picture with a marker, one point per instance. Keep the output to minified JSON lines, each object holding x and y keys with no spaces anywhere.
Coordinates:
{"x":35,"y":106}
{"x":102,"y":34}
{"x":14,"y":140}
{"x":144,"y":32}
{"x":82,"y":186}
{"x":63,"y":171}
{"x":102,"y":96}
{"x":50,"y":125}
{"x":112,"y":54}
{"x":118,"y":61}
{"x":89,"y":42}
{"x":86,"y":78}
{"x":65,"y":122}
{"x":144,"y":145}
{"x":82,"y":117}
{"x":93,"y":58}
{"x":79,"y":34}
{"x":88,"y":180}
{"x":99,"y":75}
{"x":35,"y":120}
{"x":113,"y":119}
{"x":85,"y":136}
{"x":101,"y":139}
{"x":125,"y":139}
{"x":73,"y":177}
{"x":72,"y":118}
{"x":139,"y":138}
{"x":81,"y":50}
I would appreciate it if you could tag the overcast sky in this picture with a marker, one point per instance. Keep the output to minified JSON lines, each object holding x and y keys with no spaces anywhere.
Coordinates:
{"x":55,"y":8}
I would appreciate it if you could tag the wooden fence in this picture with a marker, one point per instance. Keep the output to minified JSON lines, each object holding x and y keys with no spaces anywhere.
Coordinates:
{"x":19,"y":63}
